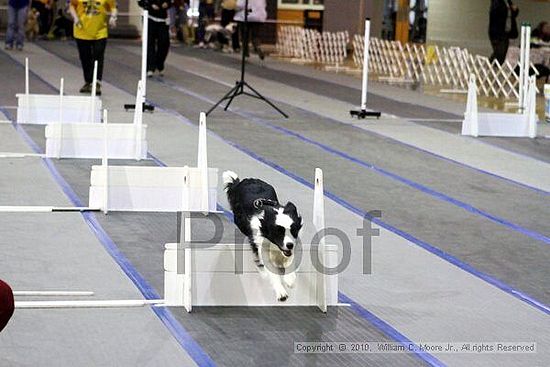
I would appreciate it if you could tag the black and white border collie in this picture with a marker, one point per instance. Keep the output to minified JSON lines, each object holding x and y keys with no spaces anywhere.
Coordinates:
{"x":268,"y":225}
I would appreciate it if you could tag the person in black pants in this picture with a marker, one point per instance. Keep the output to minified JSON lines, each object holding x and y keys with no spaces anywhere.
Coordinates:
{"x":227,"y":15}
{"x":90,"y":51}
{"x":158,"y":38}
{"x":44,"y":7}
{"x":502,"y":27}
{"x":206,"y":15}
{"x":91,"y":29}
{"x":257,"y":15}
{"x":7,"y":305}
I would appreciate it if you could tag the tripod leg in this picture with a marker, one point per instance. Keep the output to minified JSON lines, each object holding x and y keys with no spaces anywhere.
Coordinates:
{"x":228,"y":95}
{"x":265,"y":100}
{"x":238,"y":91}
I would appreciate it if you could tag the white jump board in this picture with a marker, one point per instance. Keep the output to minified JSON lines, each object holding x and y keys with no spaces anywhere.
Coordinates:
{"x":87,"y":141}
{"x":152,"y":189}
{"x":503,"y":124}
{"x":44,"y":109}
{"x":214,"y":281}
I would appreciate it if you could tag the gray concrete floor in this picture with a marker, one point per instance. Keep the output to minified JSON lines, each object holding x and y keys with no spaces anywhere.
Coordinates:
{"x":497,"y":229}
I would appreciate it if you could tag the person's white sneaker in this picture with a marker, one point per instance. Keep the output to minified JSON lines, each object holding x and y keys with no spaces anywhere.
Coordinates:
{"x":150,"y":74}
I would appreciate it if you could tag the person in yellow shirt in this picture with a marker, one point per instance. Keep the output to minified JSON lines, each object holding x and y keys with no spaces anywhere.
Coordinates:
{"x":92,"y":18}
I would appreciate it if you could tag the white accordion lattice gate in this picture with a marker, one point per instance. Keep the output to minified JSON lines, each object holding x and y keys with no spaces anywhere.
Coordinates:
{"x":448,"y":68}
{"x":310,"y":46}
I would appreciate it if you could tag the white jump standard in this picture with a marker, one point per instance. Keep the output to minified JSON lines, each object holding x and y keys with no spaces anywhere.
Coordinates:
{"x":156,"y":189}
{"x":43,"y":109}
{"x":86,"y":140}
{"x":226,"y":274}
{"x":144,"y":50}
{"x":523,"y":124}
{"x":362,"y":113}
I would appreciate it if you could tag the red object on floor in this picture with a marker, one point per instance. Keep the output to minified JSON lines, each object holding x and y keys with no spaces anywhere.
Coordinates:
{"x":7,"y":305}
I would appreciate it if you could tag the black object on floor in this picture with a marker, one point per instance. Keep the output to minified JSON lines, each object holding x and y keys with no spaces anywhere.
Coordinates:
{"x":146,"y":107}
{"x":361,"y":114}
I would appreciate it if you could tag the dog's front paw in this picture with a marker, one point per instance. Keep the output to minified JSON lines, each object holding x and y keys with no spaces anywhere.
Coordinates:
{"x":282,"y":296}
{"x":290,"y":279}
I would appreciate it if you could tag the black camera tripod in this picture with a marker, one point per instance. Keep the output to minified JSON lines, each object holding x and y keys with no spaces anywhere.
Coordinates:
{"x":240,"y":85}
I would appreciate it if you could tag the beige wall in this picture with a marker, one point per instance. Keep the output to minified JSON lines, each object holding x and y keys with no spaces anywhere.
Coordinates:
{"x":341,"y":15}
{"x":465,"y":23}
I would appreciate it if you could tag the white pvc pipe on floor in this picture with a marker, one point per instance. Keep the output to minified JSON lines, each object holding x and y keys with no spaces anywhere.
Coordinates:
{"x":20,"y":155}
{"x":52,"y":293}
{"x":86,"y":304}
{"x":44,"y":209}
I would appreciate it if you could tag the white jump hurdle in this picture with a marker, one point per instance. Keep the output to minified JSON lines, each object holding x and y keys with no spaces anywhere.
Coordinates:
{"x":205,"y":275}
{"x":86,"y":140}
{"x":522,"y":124}
{"x":156,"y":189}
{"x":43,"y":109}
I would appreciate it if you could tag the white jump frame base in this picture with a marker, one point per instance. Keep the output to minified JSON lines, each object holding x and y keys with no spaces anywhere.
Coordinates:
{"x":43,"y":109}
{"x":226,"y":275}
{"x":522,"y":124}
{"x":156,"y":189}
{"x":88,"y":140}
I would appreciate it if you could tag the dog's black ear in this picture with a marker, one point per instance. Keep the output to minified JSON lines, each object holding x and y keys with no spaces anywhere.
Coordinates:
{"x":290,"y":209}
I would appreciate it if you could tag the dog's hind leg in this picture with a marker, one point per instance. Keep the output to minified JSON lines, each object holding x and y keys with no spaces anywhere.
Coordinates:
{"x":257,"y":251}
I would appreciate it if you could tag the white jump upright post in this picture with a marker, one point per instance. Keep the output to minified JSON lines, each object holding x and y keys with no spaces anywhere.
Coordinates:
{"x":202,"y":161}
{"x":144,"y":41}
{"x":531,"y":111}
{"x":138,"y":120}
{"x":319,"y":223}
{"x":105,"y":163}
{"x":362,"y":113}
{"x":470,"y":124}
{"x":525,"y":62}
{"x":27,"y":91}
{"x":60,"y":123}
{"x":94,"y":91}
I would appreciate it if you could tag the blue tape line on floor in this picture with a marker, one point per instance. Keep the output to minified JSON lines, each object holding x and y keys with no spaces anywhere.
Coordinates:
{"x":357,"y":308}
{"x":438,"y":195}
{"x":388,"y":330}
{"x":183,"y":338}
{"x":451,"y":259}
{"x":332,"y":120}
{"x":482,"y":141}
{"x":428,"y":247}
{"x":405,"y":235}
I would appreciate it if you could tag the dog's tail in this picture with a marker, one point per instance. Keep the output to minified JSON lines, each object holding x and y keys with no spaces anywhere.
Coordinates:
{"x":230,"y":178}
